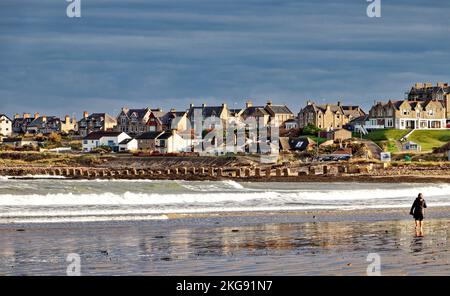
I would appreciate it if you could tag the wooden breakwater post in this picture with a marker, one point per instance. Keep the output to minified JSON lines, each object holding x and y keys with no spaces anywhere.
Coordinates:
{"x":268,"y":172}
{"x":278,"y":172}
{"x":211,"y":172}
{"x":258,"y":172}
{"x":202,"y":171}
{"x":286,"y":172}
{"x":220,"y":172}
{"x":247,"y":172}
{"x":239,"y":173}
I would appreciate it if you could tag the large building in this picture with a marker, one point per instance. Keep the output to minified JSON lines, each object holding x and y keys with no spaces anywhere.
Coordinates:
{"x":328,"y":116}
{"x":95,"y":122}
{"x":407,"y":114}
{"x":428,"y":91}
{"x":133,"y":121}
{"x":5,"y":126}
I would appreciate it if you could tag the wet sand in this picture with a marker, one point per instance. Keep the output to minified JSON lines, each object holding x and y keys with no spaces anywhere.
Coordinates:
{"x":290,"y":243}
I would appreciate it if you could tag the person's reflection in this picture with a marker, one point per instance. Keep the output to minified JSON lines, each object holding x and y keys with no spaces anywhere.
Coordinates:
{"x":417,"y":241}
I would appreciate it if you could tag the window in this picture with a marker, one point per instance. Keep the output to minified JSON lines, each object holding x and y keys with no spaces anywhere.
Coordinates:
{"x":85,"y":142}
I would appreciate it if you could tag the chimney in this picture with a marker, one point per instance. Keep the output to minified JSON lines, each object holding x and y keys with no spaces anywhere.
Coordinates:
{"x":44,"y":118}
{"x":328,"y":107}
{"x":26,"y":115}
{"x":36,"y":115}
{"x":85,"y":114}
{"x":418,"y":85}
{"x":125,"y":110}
{"x":224,"y":105}
{"x":442,"y":84}
{"x":191,"y":105}
{"x":173,"y":110}
{"x":339,"y":103}
{"x":248,"y":104}
{"x":67,"y":119}
{"x":428,"y":84}
{"x":16,"y":116}
{"x":269,"y":102}
{"x":309,"y":103}
{"x":203,"y":105}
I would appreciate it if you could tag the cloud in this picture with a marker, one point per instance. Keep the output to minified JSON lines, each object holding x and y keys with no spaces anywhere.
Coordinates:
{"x":167,"y":53}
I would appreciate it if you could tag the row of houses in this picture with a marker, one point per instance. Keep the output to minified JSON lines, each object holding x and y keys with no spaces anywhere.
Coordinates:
{"x":156,"y":141}
{"x":426,"y":106}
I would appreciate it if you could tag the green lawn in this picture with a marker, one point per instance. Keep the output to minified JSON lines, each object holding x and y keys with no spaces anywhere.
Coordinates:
{"x":386,"y":135}
{"x":387,"y":138}
{"x":430,"y":139}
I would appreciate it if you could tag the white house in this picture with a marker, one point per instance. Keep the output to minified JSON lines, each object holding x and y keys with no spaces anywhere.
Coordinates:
{"x":171,"y":142}
{"x":5,"y":125}
{"x":103,"y":138}
{"x":128,"y":145}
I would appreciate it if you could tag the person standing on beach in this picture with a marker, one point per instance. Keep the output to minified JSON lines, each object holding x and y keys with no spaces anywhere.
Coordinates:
{"x":418,"y":211}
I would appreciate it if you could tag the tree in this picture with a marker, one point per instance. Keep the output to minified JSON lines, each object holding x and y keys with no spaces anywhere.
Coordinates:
{"x":311,"y":129}
{"x":54,"y":137}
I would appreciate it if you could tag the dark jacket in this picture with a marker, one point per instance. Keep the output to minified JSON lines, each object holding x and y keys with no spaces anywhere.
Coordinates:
{"x":418,"y":206}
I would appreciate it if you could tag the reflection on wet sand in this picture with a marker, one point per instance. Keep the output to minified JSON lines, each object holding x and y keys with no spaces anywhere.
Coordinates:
{"x":283,"y":248}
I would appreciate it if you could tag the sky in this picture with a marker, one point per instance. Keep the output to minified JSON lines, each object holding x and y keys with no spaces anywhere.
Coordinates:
{"x":170,"y":53}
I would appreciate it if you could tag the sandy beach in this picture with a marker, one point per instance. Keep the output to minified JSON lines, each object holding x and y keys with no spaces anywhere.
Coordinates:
{"x":260,"y":243}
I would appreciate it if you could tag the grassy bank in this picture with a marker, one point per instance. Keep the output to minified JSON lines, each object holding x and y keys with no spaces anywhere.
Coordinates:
{"x":430,"y":139}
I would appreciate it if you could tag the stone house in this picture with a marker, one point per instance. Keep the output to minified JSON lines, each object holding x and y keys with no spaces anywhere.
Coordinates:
{"x":133,"y":121}
{"x":19,"y":124}
{"x":327,"y":116}
{"x":339,"y":134}
{"x":406,"y":114}
{"x":428,"y":91}
{"x":147,"y":140}
{"x":95,"y":122}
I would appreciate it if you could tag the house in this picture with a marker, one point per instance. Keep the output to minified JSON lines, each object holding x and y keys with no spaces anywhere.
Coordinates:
{"x":268,"y":114}
{"x":278,"y":114}
{"x":339,"y":135}
{"x":428,"y":91}
{"x":95,"y":122}
{"x":208,"y":116}
{"x":258,"y":113}
{"x":103,"y":138}
{"x":171,"y":142}
{"x":147,"y":141}
{"x":19,"y":124}
{"x":172,"y":120}
{"x":128,"y":144}
{"x":133,"y":121}
{"x":291,"y":124}
{"x":5,"y":126}
{"x":328,"y":116}
{"x":406,"y":114}
{"x":411,"y":146}
{"x":69,"y":125}
{"x":44,"y":125}
{"x":302,"y":144}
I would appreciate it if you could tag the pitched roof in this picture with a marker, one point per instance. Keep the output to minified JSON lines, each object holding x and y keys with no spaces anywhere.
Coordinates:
{"x":140,"y":113}
{"x":279,"y":109}
{"x":207,"y":111}
{"x":1,"y":115}
{"x":165,"y":135}
{"x":100,"y":134}
{"x":148,"y":136}
{"x":253,"y":110}
{"x":126,"y":141}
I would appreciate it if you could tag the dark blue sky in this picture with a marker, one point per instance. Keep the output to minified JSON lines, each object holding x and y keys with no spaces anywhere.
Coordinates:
{"x":164,"y":53}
